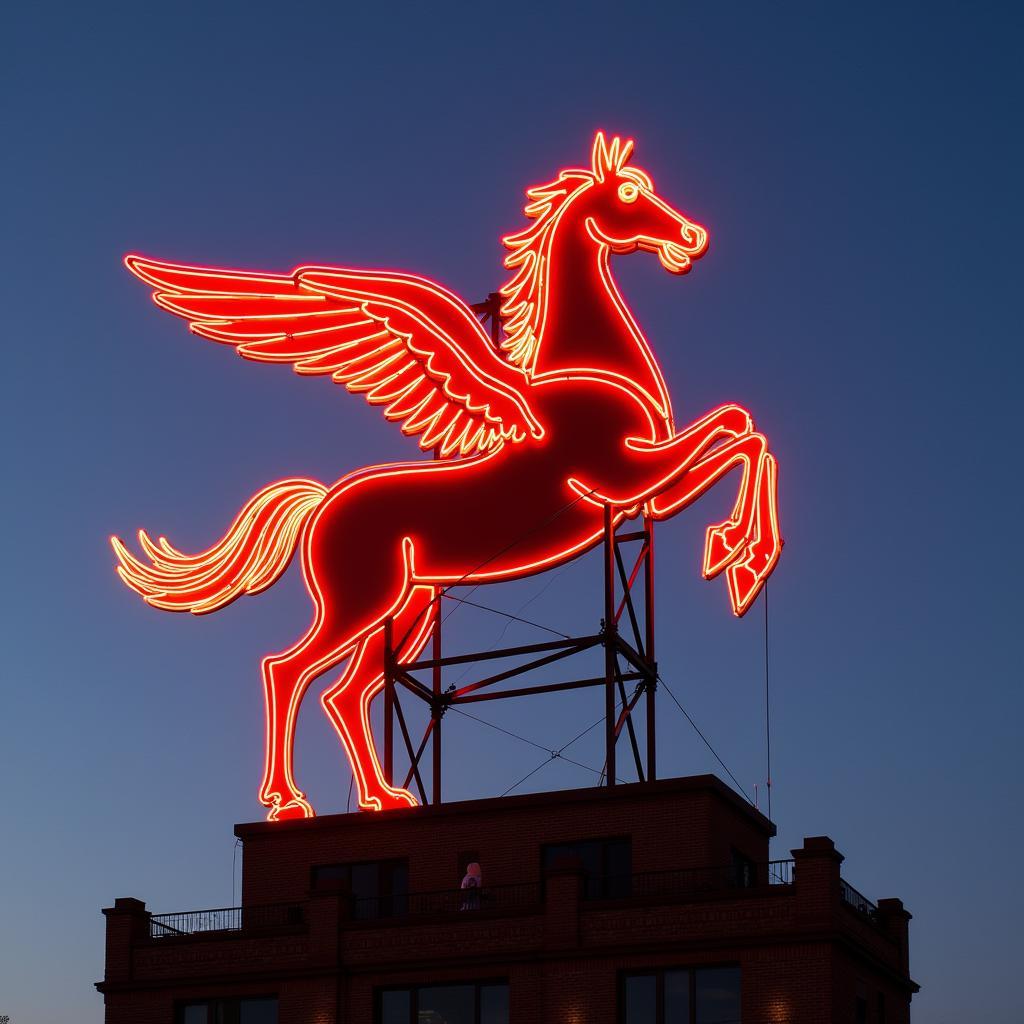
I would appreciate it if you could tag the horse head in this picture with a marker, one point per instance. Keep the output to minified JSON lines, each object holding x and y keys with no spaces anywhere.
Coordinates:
{"x":610,"y":206}
{"x":624,"y":213}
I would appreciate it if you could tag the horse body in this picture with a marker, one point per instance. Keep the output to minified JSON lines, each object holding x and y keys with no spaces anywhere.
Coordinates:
{"x":589,"y":425}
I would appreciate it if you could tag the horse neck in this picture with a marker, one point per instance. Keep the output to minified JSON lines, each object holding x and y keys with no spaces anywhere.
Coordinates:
{"x":588,"y":325}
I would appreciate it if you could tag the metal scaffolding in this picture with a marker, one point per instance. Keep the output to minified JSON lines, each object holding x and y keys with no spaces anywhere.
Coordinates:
{"x":626,"y":593}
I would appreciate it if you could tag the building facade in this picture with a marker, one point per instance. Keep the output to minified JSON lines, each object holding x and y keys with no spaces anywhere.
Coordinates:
{"x":647,"y":903}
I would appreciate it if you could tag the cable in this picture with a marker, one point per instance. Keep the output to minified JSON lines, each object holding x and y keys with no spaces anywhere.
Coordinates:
{"x":508,"y":615}
{"x":555,"y":754}
{"x":527,"y":775}
{"x":560,"y":753}
{"x":705,"y":739}
{"x":551,"y":577}
{"x":507,"y":732}
{"x":767,"y":707}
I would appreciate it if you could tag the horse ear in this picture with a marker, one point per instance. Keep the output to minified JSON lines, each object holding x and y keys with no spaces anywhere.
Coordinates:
{"x":607,"y":157}
{"x":599,"y":162}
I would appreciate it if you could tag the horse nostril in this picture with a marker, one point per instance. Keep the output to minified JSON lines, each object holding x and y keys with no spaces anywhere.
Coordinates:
{"x":694,"y":237}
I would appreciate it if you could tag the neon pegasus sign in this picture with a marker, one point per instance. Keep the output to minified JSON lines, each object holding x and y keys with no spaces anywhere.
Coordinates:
{"x":534,"y":442}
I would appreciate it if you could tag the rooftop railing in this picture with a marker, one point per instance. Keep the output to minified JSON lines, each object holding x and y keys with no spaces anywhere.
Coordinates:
{"x":859,"y":902}
{"x":780,"y":872}
{"x":689,"y":883}
{"x":265,"y":918}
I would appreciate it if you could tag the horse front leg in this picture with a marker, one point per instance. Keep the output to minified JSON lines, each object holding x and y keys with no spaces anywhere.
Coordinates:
{"x":746,"y":576}
{"x":652,"y":467}
{"x":724,"y":541}
{"x":748,"y":542}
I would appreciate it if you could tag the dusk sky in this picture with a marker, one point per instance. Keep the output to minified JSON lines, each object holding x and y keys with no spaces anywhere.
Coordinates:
{"x":859,"y":170}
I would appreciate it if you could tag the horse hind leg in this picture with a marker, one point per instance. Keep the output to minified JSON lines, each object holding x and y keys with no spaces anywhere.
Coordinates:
{"x":347,"y":703}
{"x":286,"y":677}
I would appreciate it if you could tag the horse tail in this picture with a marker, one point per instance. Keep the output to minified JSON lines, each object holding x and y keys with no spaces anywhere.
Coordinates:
{"x":253,"y":553}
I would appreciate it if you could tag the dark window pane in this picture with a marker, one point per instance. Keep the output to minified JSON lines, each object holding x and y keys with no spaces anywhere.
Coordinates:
{"x":555,"y":852}
{"x":446,"y":1004}
{"x":619,"y":858}
{"x":257,"y":1011}
{"x":398,"y":888}
{"x":365,"y":880}
{"x":494,"y":1004}
{"x":193,"y":1013}
{"x":327,"y":874}
{"x":606,"y":864}
{"x":677,"y":997}
{"x":592,"y":855}
{"x":395,"y":1007}
{"x":743,"y":875}
{"x":718,"y":995}
{"x":641,"y":996}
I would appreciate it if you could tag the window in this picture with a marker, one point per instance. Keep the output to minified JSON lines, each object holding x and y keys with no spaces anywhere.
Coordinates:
{"x":261,"y":1010}
{"x":607,"y":865}
{"x":860,"y":1006}
{"x":744,"y":875}
{"x":379,"y":888}
{"x":706,"y":995}
{"x":472,"y":1003}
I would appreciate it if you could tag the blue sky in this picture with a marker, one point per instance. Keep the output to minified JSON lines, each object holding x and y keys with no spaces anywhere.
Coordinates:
{"x":859,"y":170}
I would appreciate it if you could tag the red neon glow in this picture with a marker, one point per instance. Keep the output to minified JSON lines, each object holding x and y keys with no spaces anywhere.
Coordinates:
{"x":534,"y":441}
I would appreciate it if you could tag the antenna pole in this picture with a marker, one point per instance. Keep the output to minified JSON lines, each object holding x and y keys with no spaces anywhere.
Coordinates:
{"x":767,"y":709}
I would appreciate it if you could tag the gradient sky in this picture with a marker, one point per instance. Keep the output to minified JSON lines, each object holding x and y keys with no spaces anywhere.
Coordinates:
{"x":859,"y":168}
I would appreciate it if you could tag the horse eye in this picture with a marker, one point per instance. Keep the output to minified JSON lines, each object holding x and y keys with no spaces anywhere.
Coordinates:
{"x":628,"y":192}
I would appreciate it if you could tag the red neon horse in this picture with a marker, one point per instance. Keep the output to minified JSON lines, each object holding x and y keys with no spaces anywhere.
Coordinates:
{"x":534,"y":444}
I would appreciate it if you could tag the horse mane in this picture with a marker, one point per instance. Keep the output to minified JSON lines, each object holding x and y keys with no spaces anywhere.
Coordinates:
{"x":524,"y":296}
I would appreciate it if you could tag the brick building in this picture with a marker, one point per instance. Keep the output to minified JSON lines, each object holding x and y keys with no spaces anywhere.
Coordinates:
{"x":638,"y":904}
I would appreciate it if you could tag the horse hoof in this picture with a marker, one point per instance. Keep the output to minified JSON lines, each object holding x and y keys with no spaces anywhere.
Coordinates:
{"x":743,"y":586}
{"x":290,"y":811}
{"x":718,"y":551}
{"x":746,"y":578}
{"x":396,"y":798}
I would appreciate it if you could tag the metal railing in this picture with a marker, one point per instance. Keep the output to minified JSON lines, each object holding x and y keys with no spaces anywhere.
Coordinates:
{"x":497,"y":898}
{"x":686,"y":883}
{"x":690,"y":883}
{"x":781,"y":872}
{"x":265,"y":918}
{"x":857,"y":900}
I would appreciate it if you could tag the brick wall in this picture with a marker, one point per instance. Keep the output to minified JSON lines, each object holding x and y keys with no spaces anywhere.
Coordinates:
{"x":675,"y":823}
{"x":805,"y":955}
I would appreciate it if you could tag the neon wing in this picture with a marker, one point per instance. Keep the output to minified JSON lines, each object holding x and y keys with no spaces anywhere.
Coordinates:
{"x":406,"y":343}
